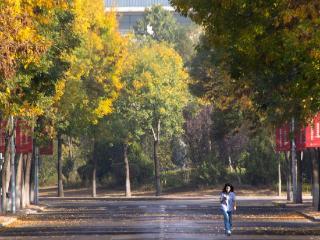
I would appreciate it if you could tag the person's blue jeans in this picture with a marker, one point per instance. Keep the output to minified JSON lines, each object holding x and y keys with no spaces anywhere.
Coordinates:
{"x":227,"y":217}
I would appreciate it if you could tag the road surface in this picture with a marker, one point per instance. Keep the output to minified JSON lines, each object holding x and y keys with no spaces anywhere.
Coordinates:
{"x":160,"y":219}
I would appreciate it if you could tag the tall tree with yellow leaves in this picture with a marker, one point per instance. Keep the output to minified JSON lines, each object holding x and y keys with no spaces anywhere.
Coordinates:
{"x":93,"y":81}
{"x":27,"y":52}
{"x":154,"y":95}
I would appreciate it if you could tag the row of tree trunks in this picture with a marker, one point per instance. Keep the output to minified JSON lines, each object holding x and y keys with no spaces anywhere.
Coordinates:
{"x":126,"y":169}
{"x":294,"y":176}
{"x":314,"y":154}
{"x":22,"y":186}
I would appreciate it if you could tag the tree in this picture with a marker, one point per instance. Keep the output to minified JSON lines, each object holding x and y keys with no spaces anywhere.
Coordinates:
{"x":198,"y":132}
{"x":126,"y":122}
{"x":159,"y":92}
{"x":162,"y":26}
{"x":26,"y":54}
{"x":270,"y":47}
{"x":93,"y":82}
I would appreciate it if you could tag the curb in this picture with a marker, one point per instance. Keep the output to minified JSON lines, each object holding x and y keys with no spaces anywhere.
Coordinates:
{"x":288,"y":204}
{"x":279,"y":204}
{"x":308,"y":216}
{"x":300,"y":212}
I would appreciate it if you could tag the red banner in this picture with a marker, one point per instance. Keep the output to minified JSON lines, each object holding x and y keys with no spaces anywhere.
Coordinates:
{"x":24,"y":140}
{"x":23,"y":137}
{"x":2,"y":135}
{"x":47,"y":150}
{"x":300,"y":139}
{"x":283,"y":138}
{"x":313,"y":133}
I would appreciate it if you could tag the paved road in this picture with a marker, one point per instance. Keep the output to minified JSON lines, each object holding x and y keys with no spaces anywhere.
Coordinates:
{"x":159,"y":219}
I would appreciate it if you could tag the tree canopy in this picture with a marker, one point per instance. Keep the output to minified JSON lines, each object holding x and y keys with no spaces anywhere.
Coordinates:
{"x":271,"y":48}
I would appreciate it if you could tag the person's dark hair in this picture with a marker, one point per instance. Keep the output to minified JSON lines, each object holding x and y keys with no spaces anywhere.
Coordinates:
{"x":225,"y":187}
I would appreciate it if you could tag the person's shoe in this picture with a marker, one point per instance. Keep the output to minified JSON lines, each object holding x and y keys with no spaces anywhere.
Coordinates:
{"x":229,"y":233}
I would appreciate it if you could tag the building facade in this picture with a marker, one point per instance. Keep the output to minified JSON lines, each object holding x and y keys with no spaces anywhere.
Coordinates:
{"x":136,"y":3}
{"x":130,"y":11}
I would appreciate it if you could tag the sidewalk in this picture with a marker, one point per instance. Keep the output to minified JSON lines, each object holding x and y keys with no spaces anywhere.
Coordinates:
{"x":11,"y":218}
{"x":305,"y":209}
{"x":6,"y":220}
{"x":311,"y":214}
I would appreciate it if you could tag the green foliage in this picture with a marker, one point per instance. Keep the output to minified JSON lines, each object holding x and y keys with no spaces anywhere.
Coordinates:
{"x":67,"y":167}
{"x":141,"y":166}
{"x":179,"y":152}
{"x":271,"y":49}
{"x":160,"y":25}
{"x":177,"y":178}
{"x":211,"y":171}
{"x":47,"y":171}
{"x":110,"y":165}
{"x":260,"y":162}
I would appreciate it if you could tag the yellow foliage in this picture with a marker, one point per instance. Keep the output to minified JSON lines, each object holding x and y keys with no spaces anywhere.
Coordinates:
{"x":104,"y":108}
{"x":21,"y":44}
{"x":59,"y":87}
{"x":97,"y":64}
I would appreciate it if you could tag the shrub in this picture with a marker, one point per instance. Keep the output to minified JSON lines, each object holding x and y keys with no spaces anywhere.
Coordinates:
{"x":211,"y":171}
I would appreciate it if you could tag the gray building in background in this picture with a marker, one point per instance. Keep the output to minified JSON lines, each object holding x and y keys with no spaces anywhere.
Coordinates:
{"x":136,"y":3}
{"x":130,"y":11}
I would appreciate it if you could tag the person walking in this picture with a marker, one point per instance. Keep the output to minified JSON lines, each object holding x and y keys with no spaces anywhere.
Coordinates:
{"x":228,"y":205}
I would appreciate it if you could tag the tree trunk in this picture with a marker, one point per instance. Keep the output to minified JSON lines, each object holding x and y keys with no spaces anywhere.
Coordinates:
{"x":279,"y":176}
{"x":156,"y":138}
{"x":23,"y":174}
{"x":70,"y":153}
{"x":12,"y":167}
{"x":317,"y":157}
{"x":36,"y":175}
{"x":157,"y":168}
{"x":315,"y":178}
{"x":299,"y":177}
{"x":127,"y":170}
{"x":8,"y":174}
{"x":94,"y":171}
{"x":289,"y":179}
{"x":60,"y":182}
{"x":94,"y":180}
{"x":27,"y":180}
{"x":237,"y":174}
{"x":19,"y":181}
{"x":294,"y":166}
{"x":233,"y":168}
{"x":4,"y":179}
